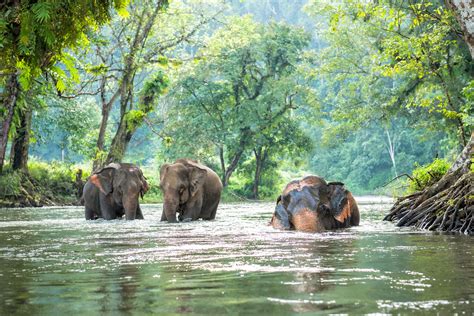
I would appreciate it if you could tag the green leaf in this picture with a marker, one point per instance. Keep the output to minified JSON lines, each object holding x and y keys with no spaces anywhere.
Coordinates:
{"x":42,"y":11}
{"x":60,"y":85}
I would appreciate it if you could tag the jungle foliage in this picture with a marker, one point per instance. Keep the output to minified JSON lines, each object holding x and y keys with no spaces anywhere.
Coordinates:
{"x":261,"y":91}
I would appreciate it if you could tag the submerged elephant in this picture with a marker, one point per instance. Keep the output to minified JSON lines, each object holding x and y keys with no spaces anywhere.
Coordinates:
{"x":113,"y":191}
{"x":190,"y":189}
{"x":312,"y":205}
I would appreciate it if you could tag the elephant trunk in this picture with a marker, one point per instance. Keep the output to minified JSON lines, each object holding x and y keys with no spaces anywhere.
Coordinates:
{"x":170,"y":208}
{"x":307,"y":220}
{"x":130,"y":205}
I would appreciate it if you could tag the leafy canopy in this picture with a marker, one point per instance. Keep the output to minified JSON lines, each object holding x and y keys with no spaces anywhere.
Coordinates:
{"x":385,"y":59}
{"x":34,"y":34}
{"x":240,"y":89}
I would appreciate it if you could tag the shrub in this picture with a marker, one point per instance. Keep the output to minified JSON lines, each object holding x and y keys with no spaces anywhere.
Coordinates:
{"x":424,"y":176}
{"x":10,"y":184}
{"x":154,"y":194}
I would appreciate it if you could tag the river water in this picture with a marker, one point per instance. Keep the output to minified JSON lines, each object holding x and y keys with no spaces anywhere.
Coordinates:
{"x":53,"y":262}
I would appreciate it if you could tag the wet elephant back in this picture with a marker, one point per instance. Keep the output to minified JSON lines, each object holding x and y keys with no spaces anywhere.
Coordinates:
{"x":212,"y":189}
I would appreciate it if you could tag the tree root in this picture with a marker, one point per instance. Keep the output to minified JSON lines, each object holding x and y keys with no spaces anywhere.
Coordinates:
{"x":447,"y":206}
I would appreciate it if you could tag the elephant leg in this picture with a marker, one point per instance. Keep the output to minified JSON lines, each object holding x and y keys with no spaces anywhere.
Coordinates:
{"x":355,"y":216}
{"x":90,"y":214}
{"x":192,"y":211}
{"x":163,"y":216}
{"x":139,"y":213}
{"x":107,"y":208}
{"x":212,"y":213}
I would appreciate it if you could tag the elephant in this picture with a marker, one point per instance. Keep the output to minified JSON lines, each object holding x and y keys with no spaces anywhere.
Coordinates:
{"x":312,"y":205}
{"x":113,"y":191}
{"x":190,"y":189}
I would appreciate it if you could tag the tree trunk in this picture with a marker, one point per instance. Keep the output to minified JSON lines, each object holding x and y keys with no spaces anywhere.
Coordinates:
{"x":256,"y":179}
{"x":12,"y":91}
{"x":232,"y":166}
{"x":21,"y":143}
{"x":119,"y":146}
{"x":465,"y":15}
{"x":447,"y":205}
{"x":260,"y":158}
{"x":124,"y":132}
{"x":464,"y":12}
{"x":244,"y":139}
{"x":103,"y":127}
{"x":222,"y":160}
{"x":106,"y":107}
{"x":391,"y":152}
{"x":120,"y":142}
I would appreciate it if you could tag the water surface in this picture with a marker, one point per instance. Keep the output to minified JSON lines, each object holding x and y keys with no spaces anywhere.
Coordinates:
{"x":52,"y":261}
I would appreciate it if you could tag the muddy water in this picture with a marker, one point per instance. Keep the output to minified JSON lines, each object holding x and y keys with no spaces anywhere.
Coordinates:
{"x":54,"y":262}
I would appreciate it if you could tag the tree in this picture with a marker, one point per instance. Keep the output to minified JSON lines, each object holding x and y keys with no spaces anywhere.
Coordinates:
{"x":33,"y":36}
{"x":446,"y":205}
{"x":128,"y":66}
{"x":63,"y":129}
{"x":242,"y":86}
{"x":364,"y":161}
{"x":386,"y":60}
{"x":465,"y":16}
{"x":286,"y":139}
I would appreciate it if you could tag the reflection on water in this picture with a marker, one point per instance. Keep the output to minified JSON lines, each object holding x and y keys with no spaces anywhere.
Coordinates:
{"x":54,"y":262}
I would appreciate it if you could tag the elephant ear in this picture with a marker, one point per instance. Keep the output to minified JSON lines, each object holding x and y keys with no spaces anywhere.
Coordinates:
{"x":163,"y":170}
{"x":114,"y":165}
{"x":103,"y":180}
{"x":280,"y":218}
{"x":278,"y":200}
{"x":197,"y":176}
{"x":340,"y":204}
{"x":145,"y":186}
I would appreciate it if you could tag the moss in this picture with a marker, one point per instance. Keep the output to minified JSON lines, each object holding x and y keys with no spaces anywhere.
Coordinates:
{"x":424,"y":176}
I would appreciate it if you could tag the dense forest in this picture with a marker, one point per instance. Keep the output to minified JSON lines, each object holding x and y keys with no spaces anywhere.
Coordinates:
{"x":260,"y":91}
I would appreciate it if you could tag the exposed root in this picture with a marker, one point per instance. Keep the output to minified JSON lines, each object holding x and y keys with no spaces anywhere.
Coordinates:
{"x":447,"y":206}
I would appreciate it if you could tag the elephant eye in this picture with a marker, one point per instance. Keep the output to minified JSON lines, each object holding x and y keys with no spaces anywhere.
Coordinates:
{"x":181,"y":189}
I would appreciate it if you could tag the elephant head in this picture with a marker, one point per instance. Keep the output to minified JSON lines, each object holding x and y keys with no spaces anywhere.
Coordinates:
{"x":312,"y":205}
{"x":124,"y":183}
{"x":179,"y":183}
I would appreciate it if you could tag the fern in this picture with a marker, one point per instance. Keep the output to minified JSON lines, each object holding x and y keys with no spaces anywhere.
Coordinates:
{"x":42,"y":11}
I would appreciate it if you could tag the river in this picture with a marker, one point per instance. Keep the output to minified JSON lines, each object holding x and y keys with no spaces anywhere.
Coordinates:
{"x":53,"y":262}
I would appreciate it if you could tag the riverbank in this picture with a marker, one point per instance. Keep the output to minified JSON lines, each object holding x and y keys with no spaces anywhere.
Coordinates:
{"x":57,"y":184}
{"x":45,"y":184}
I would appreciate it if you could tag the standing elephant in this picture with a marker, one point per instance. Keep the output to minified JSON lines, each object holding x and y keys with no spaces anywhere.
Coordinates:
{"x":190,"y":189}
{"x":113,"y":191}
{"x":312,"y":205}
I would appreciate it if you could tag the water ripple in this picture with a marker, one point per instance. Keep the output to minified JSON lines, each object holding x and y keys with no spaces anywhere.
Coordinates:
{"x":54,"y":261}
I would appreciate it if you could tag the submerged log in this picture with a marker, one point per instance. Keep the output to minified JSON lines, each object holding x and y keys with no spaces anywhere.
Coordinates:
{"x":447,"y":205}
